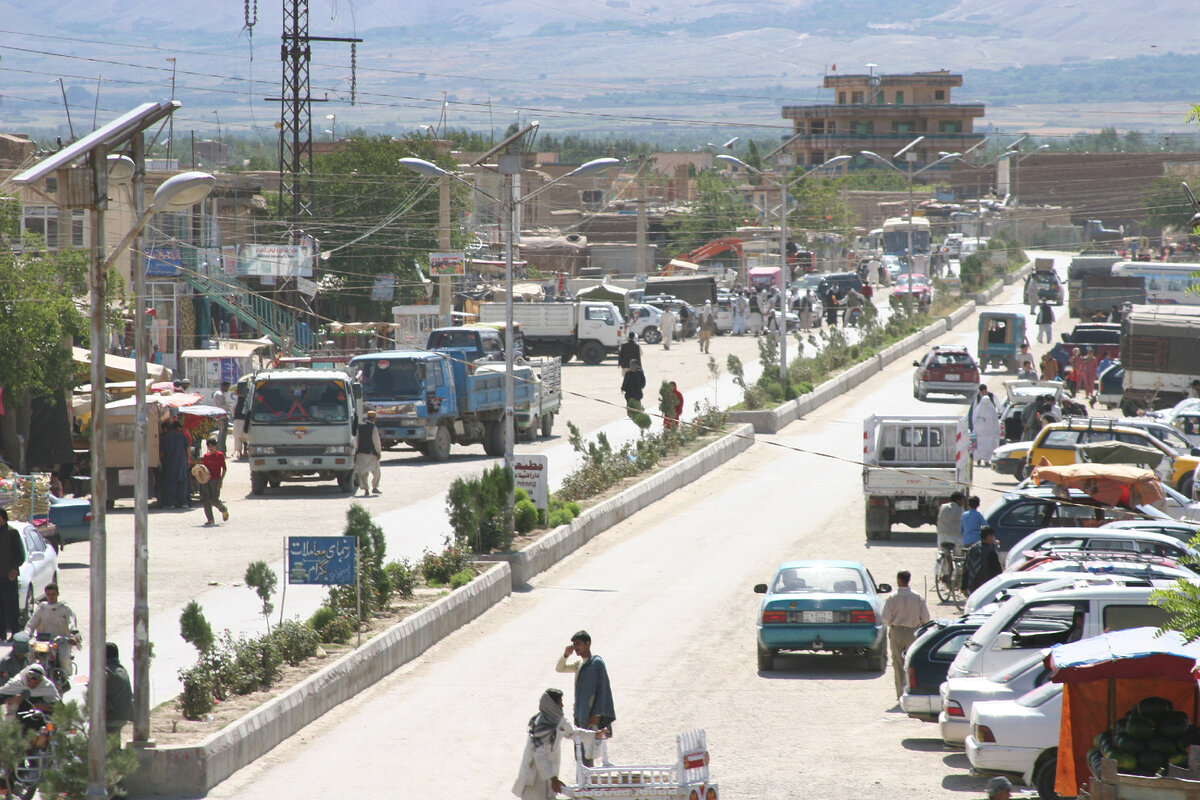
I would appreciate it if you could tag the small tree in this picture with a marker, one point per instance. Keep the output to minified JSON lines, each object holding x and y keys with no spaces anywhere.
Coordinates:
{"x":263,"y":581}
{"x":194,"y":627}
{"x":666,"y":405}
{"x":67,"y":775}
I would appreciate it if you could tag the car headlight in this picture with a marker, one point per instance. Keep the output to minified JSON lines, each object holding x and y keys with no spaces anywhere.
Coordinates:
{"x":262,"y":450}
{"x":337,"y":450}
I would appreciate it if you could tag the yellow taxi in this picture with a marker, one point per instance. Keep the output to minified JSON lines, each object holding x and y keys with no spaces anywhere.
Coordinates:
{"x":1057,"y":441}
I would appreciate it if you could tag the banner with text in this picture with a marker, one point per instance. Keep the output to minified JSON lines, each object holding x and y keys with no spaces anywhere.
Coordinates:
{"x":446,"y":264}
{"x":274,"y":260}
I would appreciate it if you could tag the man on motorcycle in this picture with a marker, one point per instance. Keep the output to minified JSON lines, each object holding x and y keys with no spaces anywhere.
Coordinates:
{"x":52,"y":619}
{"x":18,"y":657}
{"x":30,"y":682}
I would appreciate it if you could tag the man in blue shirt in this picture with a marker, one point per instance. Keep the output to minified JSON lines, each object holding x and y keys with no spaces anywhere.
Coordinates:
{"x":972,"y":522}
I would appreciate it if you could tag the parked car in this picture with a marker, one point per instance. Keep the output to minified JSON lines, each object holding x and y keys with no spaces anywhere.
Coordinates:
{"x":893,"y":266}
{"x":1098,"y":564}
{"x":831,"y":606}
{"x":1184,"y":416}
{"x":1019,"y":738}
{"x":1003,"y":586}
{"x":959,"y":695}
{"x":644,"y":321}
{"x":39,"y":569}
{"x":1018,"y":394}
{"x":838,"y":283}
{"x":664,"y":301}
{"x":1012,"y":459}
{"x":1182,"y":530}
{"x":1096,"y":539}
{"x":1017,"y":514}
{"x":1111,"y":387}
{"x":1049,"y":286}
{"x":1104,"y":339}
{"x":1166,"y":433}
{"x":946,"y":370}
{"x":927,"y":660}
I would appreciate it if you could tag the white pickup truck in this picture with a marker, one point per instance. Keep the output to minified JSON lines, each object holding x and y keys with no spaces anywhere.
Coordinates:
{"x":910,"y":467}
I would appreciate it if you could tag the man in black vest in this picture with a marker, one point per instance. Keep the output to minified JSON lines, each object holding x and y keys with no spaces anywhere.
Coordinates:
{"x":12,"y":556}
{"x":366,"y":455}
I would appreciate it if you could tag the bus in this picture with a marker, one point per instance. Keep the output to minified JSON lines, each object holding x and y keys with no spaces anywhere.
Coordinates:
{"x":896,"y":235}
{"x":1167,"y":282}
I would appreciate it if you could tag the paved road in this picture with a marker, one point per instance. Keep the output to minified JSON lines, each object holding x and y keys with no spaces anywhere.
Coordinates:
{"x":667,"y":598}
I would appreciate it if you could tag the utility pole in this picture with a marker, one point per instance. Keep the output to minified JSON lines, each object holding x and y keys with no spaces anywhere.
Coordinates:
{"x":643,"y":250}
{"x":295,"y":118}
{"x":444,"y":280}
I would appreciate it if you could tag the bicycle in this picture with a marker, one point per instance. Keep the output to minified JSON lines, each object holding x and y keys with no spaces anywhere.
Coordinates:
{"x":948,"y":576}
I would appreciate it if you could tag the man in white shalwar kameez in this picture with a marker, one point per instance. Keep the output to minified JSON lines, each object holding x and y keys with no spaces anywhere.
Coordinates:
{"x":538,"y":779}
{"x":985,"y":421}
{"x":666,"y":326}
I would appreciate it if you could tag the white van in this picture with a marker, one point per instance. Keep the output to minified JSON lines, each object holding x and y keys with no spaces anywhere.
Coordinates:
{"x":1097,"y":539}
{"x":1036,"y":617}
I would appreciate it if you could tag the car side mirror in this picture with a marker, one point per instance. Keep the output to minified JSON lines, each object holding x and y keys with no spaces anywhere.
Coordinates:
{"x":883,"y":588}
{"x":760,"y":588}
{"x":357,"y":390}
{"x":242,"y":389}
{"x":916,"y":363}
{"x":1195,"y":451}
{"x":1005,"y":640}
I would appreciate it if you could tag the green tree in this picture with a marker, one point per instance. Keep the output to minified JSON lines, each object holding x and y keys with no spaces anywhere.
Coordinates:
{"x":39,"y":316}
{"x":1166,"y":205}
{"x":263,"y":581}
{"x":195,"y":629}
{"x":383,"y":214}
{"x":718,"y":210}
{"x":820,"y":205}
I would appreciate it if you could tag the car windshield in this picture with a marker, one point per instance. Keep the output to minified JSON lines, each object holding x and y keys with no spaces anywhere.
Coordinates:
{"x":390,"y":379}
{"x":842,"y":580}
{"x":291,"y":401}
{"x":1040,"y":695}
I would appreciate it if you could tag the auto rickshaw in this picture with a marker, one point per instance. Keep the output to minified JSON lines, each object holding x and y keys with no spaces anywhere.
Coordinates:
{"x":1000,"y":338}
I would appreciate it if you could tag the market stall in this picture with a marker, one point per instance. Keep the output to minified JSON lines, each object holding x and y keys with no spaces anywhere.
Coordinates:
{"x":1130,"y":703}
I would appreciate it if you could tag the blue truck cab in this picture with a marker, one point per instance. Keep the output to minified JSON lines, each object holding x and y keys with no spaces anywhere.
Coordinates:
{"x":430,"y":399}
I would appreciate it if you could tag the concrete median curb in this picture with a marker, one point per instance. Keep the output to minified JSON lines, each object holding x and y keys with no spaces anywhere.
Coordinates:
{"x":192,"y":770}
{"x":566,"y":539}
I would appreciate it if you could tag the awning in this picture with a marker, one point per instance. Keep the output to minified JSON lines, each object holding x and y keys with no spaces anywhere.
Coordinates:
{"x":1131,"y":653}
{"x":1111,"y":484}
{"x":119,"y":368}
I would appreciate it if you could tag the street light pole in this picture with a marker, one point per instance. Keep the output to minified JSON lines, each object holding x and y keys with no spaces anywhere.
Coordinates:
{"x":784,"y":186}
{"x":171,"y":119}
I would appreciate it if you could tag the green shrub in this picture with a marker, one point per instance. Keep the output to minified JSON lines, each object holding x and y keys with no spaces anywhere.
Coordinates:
{"x":339,"y":630}
{"x":256,"y":664}
{"x":573,"y":507}
{"x":462,"y":578}
{"x":520,"y":494}
{"x":194,"y":627}
{"x":559,"y":517}
{"x":321,"y":618}
{"x":196,"y":699}
{"x":438,"y":567}
{"x":477,"y":506}
{"x":295,"y":641}
{"x":525,"y":516}
{"x":403,"y":577}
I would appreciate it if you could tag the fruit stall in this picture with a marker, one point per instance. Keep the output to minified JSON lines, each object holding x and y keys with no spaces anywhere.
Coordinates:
{"x":1130,"y":706}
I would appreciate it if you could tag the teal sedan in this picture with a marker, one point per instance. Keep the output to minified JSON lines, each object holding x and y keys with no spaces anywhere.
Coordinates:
{"x":831,"y":606}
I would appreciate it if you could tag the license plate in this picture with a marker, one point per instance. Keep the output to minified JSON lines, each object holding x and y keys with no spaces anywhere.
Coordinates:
{"x":953,"y":377}
{"x":301,"y":462}
{"x":818,"y":616}
{"x":906,"y":505}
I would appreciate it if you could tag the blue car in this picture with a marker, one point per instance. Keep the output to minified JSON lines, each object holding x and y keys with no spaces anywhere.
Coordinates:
{"x":73,"y":519}
{"x":832,"y":606}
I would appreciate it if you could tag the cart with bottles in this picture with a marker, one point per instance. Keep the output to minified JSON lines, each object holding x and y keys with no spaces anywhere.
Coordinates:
{"x":687,"y":778}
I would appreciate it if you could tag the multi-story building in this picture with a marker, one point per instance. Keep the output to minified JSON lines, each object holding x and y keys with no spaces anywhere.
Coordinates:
{"x":881,"y":113}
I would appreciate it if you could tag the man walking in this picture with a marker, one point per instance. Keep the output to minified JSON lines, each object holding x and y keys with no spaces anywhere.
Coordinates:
{"x":981,"y":562}
{"x":12,"y":556}
{"x":1045,"y":322}
{"x":593,"y":694}
{"x":118,"y":691}
{"x":366,"y":455}
{"x":708,"y":325}
{"x":210,"y":492}
{"x":903,"y":613}
{"x":223,"y":399}
{"x":741,"y":312}
{"x":666,"y":326}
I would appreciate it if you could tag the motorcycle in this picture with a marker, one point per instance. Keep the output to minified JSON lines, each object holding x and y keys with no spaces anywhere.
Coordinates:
{"x":22,"y":779}
{"x":45,"y":652}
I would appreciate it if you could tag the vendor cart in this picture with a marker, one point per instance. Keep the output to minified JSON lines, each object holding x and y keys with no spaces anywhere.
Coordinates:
{"x":1000,"y":338}
{"x":687,"y":778}
{"x":1104,"y":677}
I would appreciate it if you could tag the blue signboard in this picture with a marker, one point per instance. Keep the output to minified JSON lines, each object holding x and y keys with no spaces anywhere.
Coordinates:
{"x":326,"y":560}
{"x":164,"y":262}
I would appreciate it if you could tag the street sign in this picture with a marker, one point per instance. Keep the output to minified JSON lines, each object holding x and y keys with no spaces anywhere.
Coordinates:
{"x":531,"y":473}
{"x":325,"y":560}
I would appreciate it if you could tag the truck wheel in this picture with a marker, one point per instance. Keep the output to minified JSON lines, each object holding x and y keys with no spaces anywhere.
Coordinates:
{"x":591,"y":353}
{"x":439,"y":448}
{"x":879,"y":523}
{"x":346,"y":481}
{"x":529,"y":433}
{"x":547,"y":425}
{"x":493,"y":438}
{"x":652,"y":336}
{"x":258,"y":483}
{"x":275,"y":483}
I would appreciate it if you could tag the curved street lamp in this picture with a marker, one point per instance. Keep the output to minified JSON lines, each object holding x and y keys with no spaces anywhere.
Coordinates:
{"x":784,"y":186}
{"x":509,"y":205}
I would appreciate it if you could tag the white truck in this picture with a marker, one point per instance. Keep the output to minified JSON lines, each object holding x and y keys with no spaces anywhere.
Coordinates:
{"x":587,"y":329}
{"x":536,"y":416}
{"x":301,"y":426}
{"x":1159,"y":354}
{"x":911,"y":465}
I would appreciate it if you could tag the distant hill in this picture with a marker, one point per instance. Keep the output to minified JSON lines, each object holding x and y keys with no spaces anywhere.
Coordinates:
{"x":586,"y":64}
